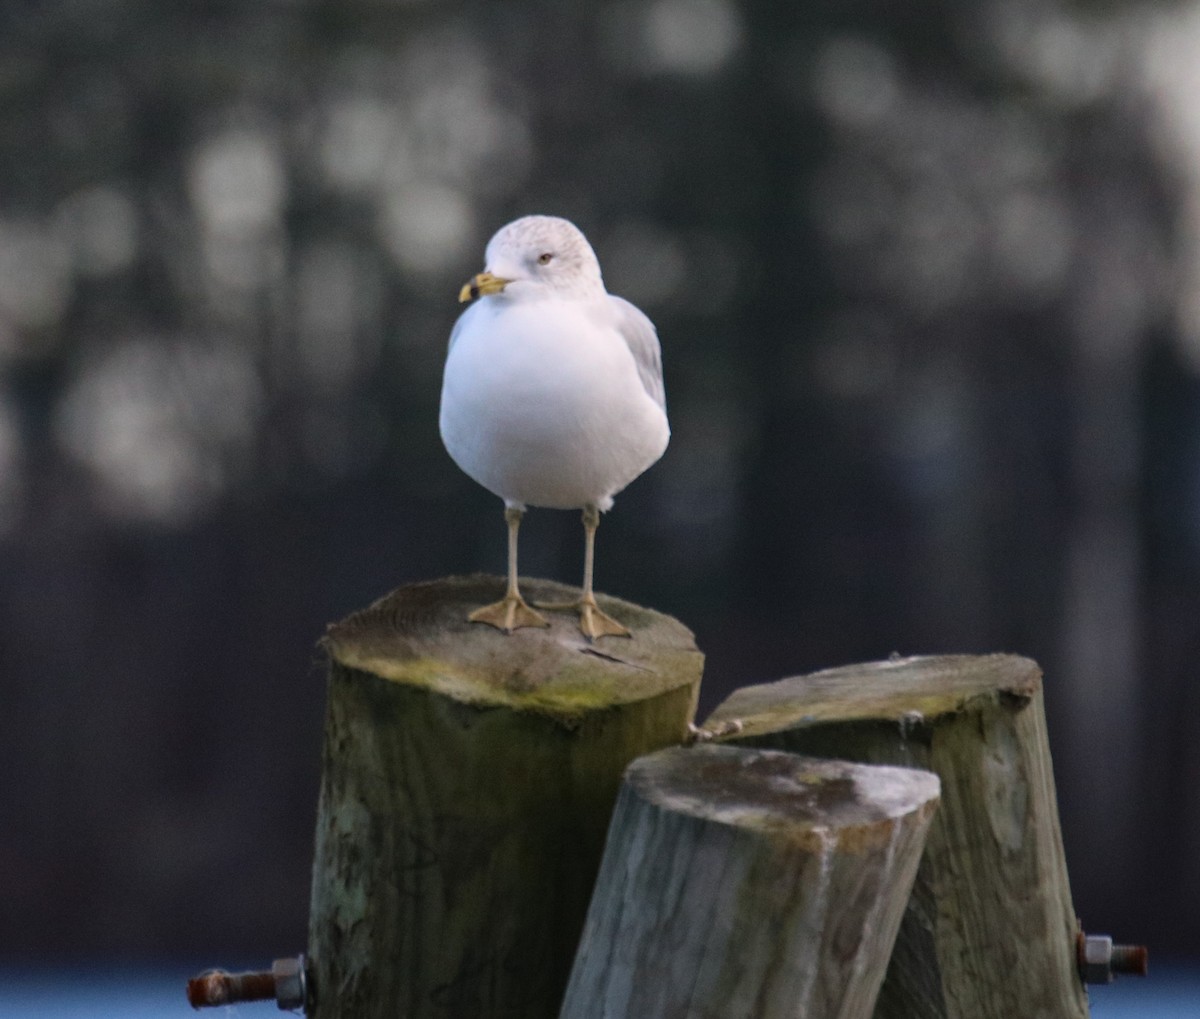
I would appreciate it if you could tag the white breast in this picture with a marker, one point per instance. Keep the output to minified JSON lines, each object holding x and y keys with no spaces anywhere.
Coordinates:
{"x":542,"y":404}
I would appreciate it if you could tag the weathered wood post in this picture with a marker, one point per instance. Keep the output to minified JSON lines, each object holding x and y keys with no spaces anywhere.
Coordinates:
{"x":990,"y":932}
{"x":750,"y":883}
{"x":468,"y":781}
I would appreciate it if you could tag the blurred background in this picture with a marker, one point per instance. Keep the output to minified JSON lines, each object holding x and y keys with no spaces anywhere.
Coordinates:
{"x":927,"y":279}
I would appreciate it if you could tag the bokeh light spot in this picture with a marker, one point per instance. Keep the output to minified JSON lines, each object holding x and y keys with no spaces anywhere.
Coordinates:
{"x":160,"y":424}
{"x":690,"y":36}
{"x":237,"y":182}
{"x":428,"y":227}
{"x":856,"y":81}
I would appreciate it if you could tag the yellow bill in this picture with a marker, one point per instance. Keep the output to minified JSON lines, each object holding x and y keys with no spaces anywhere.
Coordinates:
{"x":479,"y":286}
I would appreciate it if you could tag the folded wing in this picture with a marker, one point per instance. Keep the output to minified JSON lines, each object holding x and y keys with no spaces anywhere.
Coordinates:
{"x":642,"y":339}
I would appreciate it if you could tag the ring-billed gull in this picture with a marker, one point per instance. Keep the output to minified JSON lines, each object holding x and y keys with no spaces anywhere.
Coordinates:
{"x":552,"y":394}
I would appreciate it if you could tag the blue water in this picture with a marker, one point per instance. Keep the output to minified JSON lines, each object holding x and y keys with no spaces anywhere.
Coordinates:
{"x":76,"y":994}
{"x":113,"y":993}
{"x":1171,"y":992}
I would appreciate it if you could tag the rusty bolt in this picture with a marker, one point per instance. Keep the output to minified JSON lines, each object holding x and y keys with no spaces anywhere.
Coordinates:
{"x":285,"y":983}
{"x":1100,"y":961}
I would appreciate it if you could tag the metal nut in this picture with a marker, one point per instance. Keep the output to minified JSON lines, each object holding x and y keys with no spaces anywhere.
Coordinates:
{"x":1095,"y":959}
{"x":290,"y":982}
{"x":1100,"y":960}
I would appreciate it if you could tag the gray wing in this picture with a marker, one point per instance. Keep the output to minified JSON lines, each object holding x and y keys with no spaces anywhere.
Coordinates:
{"x":642,"y":339}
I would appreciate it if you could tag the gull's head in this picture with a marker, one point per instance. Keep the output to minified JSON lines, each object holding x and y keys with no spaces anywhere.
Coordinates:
{"x":537,"y":255}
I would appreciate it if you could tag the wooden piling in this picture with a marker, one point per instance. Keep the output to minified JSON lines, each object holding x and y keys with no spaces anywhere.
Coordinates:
{"x":742,"y":882}
{"x":990,"y":930}
{"x":468,"y":781}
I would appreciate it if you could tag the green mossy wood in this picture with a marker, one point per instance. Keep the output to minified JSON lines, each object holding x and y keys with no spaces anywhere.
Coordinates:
{"x":468,"y":780}
{"x":990,"y":930}
{"x":750,"y":883}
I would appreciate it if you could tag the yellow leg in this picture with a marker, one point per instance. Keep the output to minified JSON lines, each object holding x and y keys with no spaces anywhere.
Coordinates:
{"x":512,"y":611}
{"x":592,"y":621}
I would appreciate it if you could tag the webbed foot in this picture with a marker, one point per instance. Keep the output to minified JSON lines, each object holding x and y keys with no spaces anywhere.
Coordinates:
{"x":510,"y":613}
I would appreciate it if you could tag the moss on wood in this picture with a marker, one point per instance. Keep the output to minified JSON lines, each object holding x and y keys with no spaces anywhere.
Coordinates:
{"x":467,"y":785}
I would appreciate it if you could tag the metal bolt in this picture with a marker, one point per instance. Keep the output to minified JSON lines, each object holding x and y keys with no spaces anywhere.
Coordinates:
{"x":285,"y":983}
{"x":290,"y":982}
{"x":1100,"y":960}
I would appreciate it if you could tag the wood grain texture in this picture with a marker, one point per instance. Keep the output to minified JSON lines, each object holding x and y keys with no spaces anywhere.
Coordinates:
{"x":467,"y":785}
{"x":990,"y":930}
{"x":749,"y":883}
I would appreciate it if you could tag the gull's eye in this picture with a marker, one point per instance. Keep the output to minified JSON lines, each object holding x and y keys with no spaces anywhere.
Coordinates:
{"x":544,"y":258}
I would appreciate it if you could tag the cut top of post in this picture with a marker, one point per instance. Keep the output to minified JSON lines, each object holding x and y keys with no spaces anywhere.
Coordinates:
{"x":921,"y":688}
{"x":419,"y":635}
{"x":777,"y":793}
